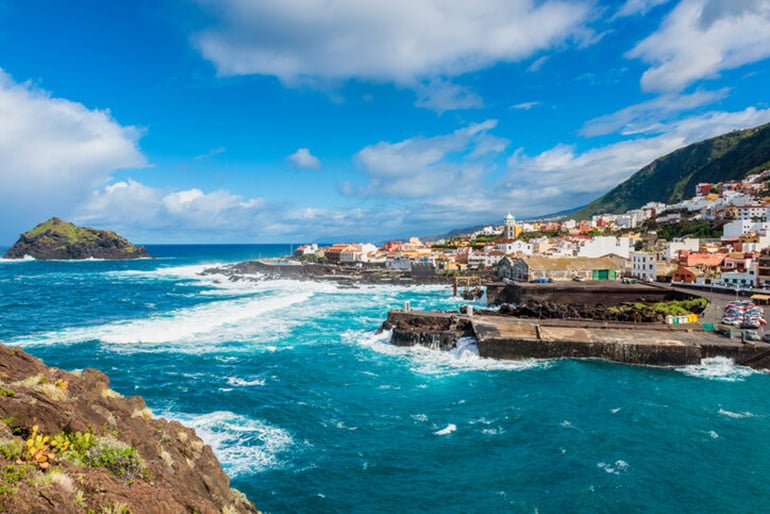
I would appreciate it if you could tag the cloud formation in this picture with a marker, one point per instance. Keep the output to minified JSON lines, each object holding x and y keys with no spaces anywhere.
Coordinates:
{"x":701,"y":38}
{"x":561,"y":177}
{"x":55,"y":151}
{"x":302,"y":158}
{"x":649,"y":116}
{"x":421,"y":45}
{"x":634,"y":7}
{"x":442,"y":182}
{"x":428,"y":166}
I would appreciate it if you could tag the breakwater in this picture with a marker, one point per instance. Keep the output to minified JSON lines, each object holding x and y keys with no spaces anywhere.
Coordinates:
{"x":501,"y":337}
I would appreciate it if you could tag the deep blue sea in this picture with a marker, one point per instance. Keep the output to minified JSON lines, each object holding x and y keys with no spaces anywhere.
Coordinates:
{"x":310,"y":411}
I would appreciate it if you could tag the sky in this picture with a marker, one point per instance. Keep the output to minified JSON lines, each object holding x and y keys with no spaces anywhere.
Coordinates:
{"x":266,"y":121}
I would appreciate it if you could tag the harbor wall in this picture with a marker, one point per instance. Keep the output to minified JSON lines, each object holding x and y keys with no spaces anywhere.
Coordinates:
{"x":508,"y":338}
{"x":587,"y":293}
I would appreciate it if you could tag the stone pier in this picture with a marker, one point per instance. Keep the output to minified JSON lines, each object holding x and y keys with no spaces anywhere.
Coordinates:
{"x":515,"y":339}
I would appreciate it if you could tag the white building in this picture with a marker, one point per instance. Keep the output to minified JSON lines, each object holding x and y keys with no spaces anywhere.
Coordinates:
{"x":741,"y":227}
{"x":739,"y":279}
{"x":485,"y":260}
{"x":600,"y":246}
{"x":672,"y":248}
{"x":357,"y":253}
{"x":516,"y":246}
{"x":644,"y":265}
{"x":752,"y":212}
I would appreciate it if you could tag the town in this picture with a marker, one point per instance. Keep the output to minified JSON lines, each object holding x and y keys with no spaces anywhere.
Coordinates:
{"x":718,"y":238}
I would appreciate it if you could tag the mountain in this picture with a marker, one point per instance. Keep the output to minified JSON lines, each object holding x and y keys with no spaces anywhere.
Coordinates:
{"x":673,"y":177}
{"x":57,"y":239}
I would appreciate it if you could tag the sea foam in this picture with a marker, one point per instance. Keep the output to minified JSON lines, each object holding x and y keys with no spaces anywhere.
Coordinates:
{"x":243,"y":445}
{"x":436,"y":362}
{"x":718,"y":368}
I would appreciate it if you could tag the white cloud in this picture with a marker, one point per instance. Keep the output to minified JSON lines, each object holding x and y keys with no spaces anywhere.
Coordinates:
{"x":642,"y":7}
{"x":525,"y":106}
{"x":302,"y":158}
{"x":146,"y":214}
{"x":649,"y":116}
{"x":701,"y":38}
{"x":418,"y":185}
{"x":441,"y":95}
{"x":54,"y":152}
{"x":538,"y":64}
{"x":401,"y":41}
{"x":141,"y":211}
{"x":421,"y":166}
{"x":561,"y":178}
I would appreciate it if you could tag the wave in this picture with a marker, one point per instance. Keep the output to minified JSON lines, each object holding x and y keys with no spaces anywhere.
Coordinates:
{"x":243,"y":445}
{"x":718,"y":368}
{"x":451,"y":427}
{"x":26,"y":258}
{"x":736,"y":415}
{"x":239,"y":382}
{"x":435,"y":362}
{"x":615,"y":468}
{"x":238,"y":320}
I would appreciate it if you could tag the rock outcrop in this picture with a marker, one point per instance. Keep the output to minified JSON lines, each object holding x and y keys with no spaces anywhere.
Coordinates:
{"x":70,"y":444}
{"x":58,"y":239}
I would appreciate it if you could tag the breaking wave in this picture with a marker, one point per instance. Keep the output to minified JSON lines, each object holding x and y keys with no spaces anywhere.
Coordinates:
{"x":718,"y":368}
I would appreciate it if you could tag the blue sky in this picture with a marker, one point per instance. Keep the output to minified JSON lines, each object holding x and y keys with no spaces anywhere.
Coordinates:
{"x":297,"y":120}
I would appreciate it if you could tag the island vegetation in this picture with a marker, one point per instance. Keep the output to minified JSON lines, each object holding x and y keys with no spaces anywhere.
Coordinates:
{"x":58,"y":239}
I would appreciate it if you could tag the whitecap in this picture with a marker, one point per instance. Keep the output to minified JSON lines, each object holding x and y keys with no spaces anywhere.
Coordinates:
{"x":736,"y":415}
{"x":614,"y":469}
{"x":243,"y":445}
{"x":718,"y":368}
{"x":451,"y":427}
{"x":237,"y":320}
{"x":26,"y":258}
{"x":239,"y":382}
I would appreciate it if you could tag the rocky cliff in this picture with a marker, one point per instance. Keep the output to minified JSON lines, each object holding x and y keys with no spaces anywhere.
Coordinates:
{"x":58,"y":239}
{"x":70,"y":444}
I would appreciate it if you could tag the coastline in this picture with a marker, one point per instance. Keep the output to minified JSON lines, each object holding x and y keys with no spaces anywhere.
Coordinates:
{"x":257,"y":270}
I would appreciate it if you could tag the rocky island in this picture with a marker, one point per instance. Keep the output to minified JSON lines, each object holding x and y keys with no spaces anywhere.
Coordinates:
{"x":58,"y":239}
{"x":70,"y":444}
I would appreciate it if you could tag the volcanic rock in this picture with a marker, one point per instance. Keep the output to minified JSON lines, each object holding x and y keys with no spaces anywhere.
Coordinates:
{"x":58,"y":239}
{"x":162,"y":467}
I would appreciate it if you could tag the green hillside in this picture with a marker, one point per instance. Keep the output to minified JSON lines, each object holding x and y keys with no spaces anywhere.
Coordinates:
{"x":673,"y":178}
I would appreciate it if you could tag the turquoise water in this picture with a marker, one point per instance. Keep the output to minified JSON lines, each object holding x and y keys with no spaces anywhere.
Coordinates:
{"x":310,"y":411}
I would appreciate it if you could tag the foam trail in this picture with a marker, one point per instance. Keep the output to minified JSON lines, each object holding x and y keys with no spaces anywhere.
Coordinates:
{"x":451,"y":427}
{"x":232,"y":320}
{"x":736,"y":415}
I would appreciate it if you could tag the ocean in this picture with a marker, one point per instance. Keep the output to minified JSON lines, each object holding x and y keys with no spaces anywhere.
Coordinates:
{"x":310,"y":410}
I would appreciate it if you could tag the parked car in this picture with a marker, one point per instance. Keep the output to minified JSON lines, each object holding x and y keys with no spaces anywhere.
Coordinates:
{"x":731,"y":321}
{"x":750,"y":323}
{"x":751,"y":335}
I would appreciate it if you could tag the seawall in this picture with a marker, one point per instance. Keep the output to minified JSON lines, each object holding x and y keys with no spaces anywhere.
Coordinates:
{"x":587,"y":293}
{"x":516,"y":339}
